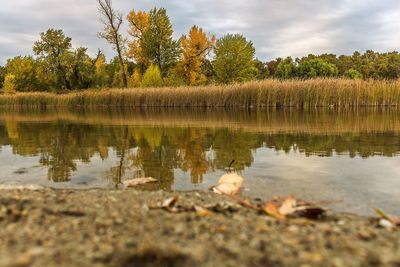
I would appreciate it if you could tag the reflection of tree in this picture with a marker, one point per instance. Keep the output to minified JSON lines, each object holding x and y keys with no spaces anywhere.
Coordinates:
{"x":116,"y":173}
{"x":157,"y":151}
{"x":158,"y":162}
{"x":238,"y":146}
{"x":60,"y":156}
{"x":194,"y":154}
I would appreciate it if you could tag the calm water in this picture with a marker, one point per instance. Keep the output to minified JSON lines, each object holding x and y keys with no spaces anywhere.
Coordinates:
{"x":353,"y":156}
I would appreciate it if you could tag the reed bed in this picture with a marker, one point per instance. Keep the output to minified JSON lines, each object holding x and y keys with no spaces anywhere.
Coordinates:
{"x":267,"y":93}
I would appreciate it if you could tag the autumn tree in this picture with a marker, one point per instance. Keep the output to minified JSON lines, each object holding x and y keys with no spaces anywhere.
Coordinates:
{"x":24,"y":71}
{"x":152,"y":39}
{"x":54,"y":47}
{"x":138,"y":25}
{"x":195,"y":48}
{"x":9,"y":84}
{"x":112,"y":21}
{"x":234,"y":59}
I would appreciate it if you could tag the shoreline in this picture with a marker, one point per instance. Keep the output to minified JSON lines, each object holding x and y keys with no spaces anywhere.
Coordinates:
{"x":97,"y":227}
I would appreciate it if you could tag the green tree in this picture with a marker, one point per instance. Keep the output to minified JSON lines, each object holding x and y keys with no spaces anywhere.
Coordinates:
{"x":55,"y":48}
{"x":157,"y":43}
{"x":286,"y":69}
{"x":234,"y":59}
{"x":262,"y":69}
{"x":352,"y":74}
{"x":152,"y":77}
{"x":9,"y":84}
{"x":316,"y":67}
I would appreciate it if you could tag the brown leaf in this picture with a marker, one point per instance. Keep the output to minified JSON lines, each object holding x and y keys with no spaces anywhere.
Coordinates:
{"x":229,"y":184}
{"x":272,"y":209}
{"x":138,"y":181}
{"x":292,"y":207}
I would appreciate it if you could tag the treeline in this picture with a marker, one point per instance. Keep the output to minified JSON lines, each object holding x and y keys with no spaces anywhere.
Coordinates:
{"x":149,"y":56}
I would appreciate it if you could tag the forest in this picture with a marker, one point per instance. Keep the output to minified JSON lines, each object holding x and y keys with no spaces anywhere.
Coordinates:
{"x":148,"y":56}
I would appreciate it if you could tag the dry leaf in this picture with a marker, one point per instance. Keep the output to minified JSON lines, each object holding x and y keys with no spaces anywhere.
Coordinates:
{"x":138,"y":181}
{"x":272,"y":209}
{"x":288,"y":206}
{"x":293,"y":208}
{"x":169,"y":202}
{"x":229,"y":184}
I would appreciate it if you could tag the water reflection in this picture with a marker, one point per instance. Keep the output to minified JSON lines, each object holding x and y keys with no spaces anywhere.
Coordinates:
{"x":155,"y":144}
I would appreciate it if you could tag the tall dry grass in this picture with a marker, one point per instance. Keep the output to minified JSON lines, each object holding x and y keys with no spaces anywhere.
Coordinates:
{"x":268,"y":93}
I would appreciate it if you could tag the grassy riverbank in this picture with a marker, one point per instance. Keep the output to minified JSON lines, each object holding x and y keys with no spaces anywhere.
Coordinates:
{"x":268,"y":93}
{"x":116,"y":228}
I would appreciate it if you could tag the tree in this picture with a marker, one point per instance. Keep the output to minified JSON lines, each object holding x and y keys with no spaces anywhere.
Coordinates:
{"x":2,"y":75}
{"x":158,"y":44}
{"x":55,"y":48}
{"x":316,"y":67}
{"x":352,"y":74}
{"x":195,"y":48}
{"x":138,"y":24}
{"x":234,"y":59}
{"x":112,"y":21}
{"x":262,"y":69}
{"x":135,"y":79}
{"x":24,"y":71}
{"x":286,"y":69}
{"x":272,"y":66}
{"x":9,"y":84}
{"x":152,"y":77}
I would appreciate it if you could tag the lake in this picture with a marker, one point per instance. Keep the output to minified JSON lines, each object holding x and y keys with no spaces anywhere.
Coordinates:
{"x":351,"y":156}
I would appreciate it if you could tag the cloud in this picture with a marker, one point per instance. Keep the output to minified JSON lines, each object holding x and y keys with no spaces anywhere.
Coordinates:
{"x":276,"y":27}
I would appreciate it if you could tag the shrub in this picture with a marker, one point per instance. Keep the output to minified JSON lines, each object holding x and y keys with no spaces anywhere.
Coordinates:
{"x":152,"y":77}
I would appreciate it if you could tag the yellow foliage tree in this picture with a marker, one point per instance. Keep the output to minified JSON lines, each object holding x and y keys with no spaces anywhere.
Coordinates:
{"x":9,"y":84}
{"x":138,"y":24}
{"x":135,"y":79}
{"x":195,"y":48}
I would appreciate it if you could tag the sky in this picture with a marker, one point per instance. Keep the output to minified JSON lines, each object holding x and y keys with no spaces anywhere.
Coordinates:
{"x":278,"y":28}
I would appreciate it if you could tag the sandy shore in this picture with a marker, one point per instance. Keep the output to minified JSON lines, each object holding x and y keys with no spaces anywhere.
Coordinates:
{"x":47,"y":227}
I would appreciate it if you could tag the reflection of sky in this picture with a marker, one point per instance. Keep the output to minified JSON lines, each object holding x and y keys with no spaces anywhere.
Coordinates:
{"x":362,"y":184}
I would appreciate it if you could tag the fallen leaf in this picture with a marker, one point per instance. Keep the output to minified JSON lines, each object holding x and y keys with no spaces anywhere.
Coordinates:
{"x":288,"y":206}
{"x":202,"y":212}
{"x":291,"y":207}
{"x":138,"y":181}
{"x":228,"y":184}
{"x":272,"y":209}
{"x":169,"y":202}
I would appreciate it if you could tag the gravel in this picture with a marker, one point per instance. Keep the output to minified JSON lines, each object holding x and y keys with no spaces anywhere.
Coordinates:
{"x":48,"y":227}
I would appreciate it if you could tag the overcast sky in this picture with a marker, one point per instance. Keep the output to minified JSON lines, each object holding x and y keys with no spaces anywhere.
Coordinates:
{"x":277,"y":27}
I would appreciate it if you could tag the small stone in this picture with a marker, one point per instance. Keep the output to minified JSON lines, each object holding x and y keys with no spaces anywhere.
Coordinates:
{"x":386,"y":224}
